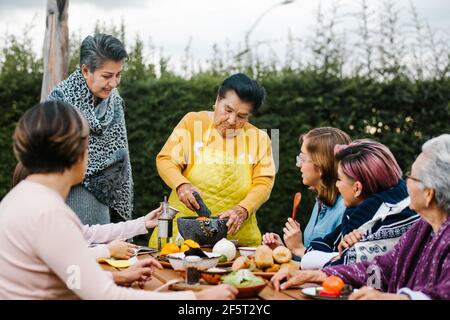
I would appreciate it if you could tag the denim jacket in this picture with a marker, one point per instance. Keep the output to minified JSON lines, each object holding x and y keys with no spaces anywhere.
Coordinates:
{"x":322,"y":223}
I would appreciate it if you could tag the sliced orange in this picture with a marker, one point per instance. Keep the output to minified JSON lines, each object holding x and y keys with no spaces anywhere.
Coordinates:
{"x":169,"y":248}
{"x":184,"y":248}
{"x":191,"y":243}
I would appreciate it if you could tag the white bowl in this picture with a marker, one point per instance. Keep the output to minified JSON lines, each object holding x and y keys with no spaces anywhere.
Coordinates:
{"x":247,"y":251}
{"x":176,"y":260}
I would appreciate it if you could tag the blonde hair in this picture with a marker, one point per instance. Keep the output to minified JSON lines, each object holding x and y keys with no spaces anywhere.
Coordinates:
{"x":320,"y":144}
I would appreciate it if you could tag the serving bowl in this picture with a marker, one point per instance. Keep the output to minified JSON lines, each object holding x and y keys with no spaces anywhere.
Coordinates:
{"x":213,"y":275}
{"x":247,"y":251}
{"x":176,"y":260}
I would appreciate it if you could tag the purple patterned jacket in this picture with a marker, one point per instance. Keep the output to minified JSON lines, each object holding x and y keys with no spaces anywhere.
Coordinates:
{"x":420,"y":261}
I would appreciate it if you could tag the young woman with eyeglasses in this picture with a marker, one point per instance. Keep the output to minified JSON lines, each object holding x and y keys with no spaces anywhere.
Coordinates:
{"x":318,"y":169}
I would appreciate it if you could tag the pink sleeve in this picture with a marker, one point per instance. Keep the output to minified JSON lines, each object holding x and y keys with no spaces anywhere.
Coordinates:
{"x":104,"y":233}
{"x":100,"y":251}
{"x":60,"y":245}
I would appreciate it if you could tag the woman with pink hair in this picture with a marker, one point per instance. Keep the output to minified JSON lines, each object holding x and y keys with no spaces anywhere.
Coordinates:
{"x":418,"y":267}
{"x":377,"y":214}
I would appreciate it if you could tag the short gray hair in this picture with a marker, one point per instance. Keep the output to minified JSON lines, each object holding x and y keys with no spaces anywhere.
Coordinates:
{"x":435,"y":171}
{"x":96,"y":50}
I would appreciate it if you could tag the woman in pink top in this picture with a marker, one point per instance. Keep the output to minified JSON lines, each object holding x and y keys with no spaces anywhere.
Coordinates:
{"x":43,"y":253}
{"x":104,"y":239}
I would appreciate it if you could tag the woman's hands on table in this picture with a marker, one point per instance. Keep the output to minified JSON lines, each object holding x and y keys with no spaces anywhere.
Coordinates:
{"x":141,"y":272}
{"x":296,"y":278}
{"x":121,"y":250}
{"x":368,"y":293}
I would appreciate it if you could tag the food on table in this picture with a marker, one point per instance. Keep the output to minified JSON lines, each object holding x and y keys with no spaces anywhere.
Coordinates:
{"x":241,"y":262}
{"x":184,"y":248}
{"x":282,"y":255}
{"x":266,"y":260}
{"x":273,"y":268}
{"x":242,"y":278}
{"x":223,"y":258}
{"x":213,"y":275}
{"x":173,"y":247}
{"x":217,"y":270}
{"x":169,"y":248}
{"x":225,"y":247}
{"x":191,"y":243}
{"x":332,"y":286}
{"x":195,"y":252}
{"x":263,"y":257}
{"x":252,"y":264}
{"x":211,"y":278}
{"x":291,"y":265}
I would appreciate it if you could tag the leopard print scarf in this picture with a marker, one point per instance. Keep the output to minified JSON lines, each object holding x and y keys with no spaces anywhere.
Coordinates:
{"x":108,"y":175}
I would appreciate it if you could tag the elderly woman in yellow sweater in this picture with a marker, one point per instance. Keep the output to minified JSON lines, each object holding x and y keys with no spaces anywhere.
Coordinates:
{"x":224,"y":158}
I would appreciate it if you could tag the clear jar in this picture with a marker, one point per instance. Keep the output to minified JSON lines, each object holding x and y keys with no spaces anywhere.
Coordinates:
{"x":191,"y":266}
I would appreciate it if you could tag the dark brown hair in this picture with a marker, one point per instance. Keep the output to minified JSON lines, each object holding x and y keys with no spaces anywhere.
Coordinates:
{"x":50,"y":137}
{"x":321,"y":142}
{"x":20,"y":173}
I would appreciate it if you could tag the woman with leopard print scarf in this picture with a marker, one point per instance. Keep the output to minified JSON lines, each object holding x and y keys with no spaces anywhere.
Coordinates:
{"x":107,"y":191}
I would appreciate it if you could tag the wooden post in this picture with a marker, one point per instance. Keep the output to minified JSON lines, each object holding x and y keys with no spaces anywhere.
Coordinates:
{"x":56,"y":46}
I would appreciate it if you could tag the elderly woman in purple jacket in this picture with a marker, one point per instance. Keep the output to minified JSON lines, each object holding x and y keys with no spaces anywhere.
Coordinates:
{"x":418,"y":267}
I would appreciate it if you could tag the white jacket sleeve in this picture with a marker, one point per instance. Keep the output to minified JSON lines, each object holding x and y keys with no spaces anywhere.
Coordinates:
{"x":316,"y":259}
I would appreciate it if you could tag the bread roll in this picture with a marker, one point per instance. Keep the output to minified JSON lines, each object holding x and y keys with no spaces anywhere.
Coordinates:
{"x":273,"y":268}
{"x":263,"y":257}
{"x":291,"y":265}
{"x":241,"y":262}
{"x":282,"y":255}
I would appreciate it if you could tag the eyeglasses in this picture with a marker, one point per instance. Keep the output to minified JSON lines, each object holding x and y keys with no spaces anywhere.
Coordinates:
{"x":301,"y":158}
{"x":409,"y":176}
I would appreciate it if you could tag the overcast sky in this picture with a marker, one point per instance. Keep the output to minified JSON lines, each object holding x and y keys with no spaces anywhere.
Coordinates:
{"x":171,"y":24}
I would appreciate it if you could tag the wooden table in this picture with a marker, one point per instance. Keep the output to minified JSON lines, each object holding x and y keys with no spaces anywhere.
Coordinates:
{"x":160,"y":277}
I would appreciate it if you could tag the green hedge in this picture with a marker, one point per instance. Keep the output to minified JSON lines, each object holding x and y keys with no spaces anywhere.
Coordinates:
{"x":402,"y":114}
{"x":399,"y":113}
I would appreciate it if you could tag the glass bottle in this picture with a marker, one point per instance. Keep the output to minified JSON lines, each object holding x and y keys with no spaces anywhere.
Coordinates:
{"x":191,"y":266}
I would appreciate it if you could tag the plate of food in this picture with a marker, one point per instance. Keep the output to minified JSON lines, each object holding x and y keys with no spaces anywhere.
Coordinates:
{"x":190,"y":247}
{"x":164,"y":261}
{"x":333,"y":288}
{"x":209,"y":259}
{"x":265,"y":262}
{"x":213,"y":275}
{"x":246,"y":282}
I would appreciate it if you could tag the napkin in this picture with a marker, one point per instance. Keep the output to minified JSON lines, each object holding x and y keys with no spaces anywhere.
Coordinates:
{"x":119,"y":263}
